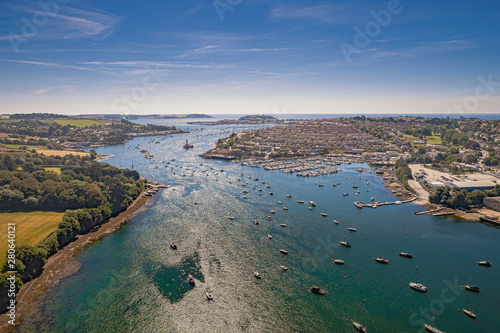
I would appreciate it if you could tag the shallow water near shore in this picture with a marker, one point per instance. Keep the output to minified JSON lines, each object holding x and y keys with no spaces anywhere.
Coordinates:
{"x":131,"y":281}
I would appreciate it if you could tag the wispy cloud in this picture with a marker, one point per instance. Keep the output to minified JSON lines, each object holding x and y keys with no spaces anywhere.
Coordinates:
{"x":40,"y":91}
{"x":72,"y":23}
{"x":332,"y":13}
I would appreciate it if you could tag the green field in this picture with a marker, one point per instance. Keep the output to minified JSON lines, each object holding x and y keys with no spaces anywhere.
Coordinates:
{"x":409,"y":137}
{"x":17,"y":146}
{"x":434,"y":139}
{"x":56,"y":170}
{"x":78,"y":122}
{"x":30,"y":227}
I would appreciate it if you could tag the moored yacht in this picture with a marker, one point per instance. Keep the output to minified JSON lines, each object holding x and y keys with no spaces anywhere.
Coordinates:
{"x":283,"y":251}
{"x":311,"y":203}
{"x":352,"y":229}
{"x":324,"y":214}
{"x":283,"y":268}
{"x":484,"y":263}
{"x":382,"y":260}
{"x":338,"y":261}
{"x":359,"y":327}
{"x":269,"y":236}
{"x":406,"y":254}
{"x":346,"y":244}
{"x":432,"y":329}
{"x":418,"y":286}
{"x":257,"y":275}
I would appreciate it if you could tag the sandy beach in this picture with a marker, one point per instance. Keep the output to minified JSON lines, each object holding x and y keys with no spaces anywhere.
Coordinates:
{"x":62,"y":264}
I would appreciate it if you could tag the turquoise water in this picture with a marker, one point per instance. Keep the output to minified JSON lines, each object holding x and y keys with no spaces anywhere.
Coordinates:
{"x":131,"y":281}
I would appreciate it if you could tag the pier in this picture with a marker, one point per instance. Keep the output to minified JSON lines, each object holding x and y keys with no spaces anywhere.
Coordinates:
{"x":376,"y":204}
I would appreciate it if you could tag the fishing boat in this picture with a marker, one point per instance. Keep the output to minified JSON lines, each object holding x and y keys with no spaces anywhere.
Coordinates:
{"x":283,"y":268}
{"x":417,"y":286}
{"x":352,"y":229}
{"x":283,"y":251}
{"x":317,"y":290}
{"x":484,"y":263}
{"x":209,"y":296}
{"x":472,"y":288}
{"x":311,"y":203}
{"x":257,"y":275}
{"x":338,"y":261}
{"x":382,"y":260}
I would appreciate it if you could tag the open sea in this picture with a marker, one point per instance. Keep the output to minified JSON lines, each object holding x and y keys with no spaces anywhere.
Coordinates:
{"x":131,"y":281}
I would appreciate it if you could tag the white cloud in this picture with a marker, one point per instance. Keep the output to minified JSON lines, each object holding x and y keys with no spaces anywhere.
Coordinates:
{"x":40,"y":91}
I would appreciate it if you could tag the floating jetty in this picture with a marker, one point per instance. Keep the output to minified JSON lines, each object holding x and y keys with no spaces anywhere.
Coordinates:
{"x":376,"y":204}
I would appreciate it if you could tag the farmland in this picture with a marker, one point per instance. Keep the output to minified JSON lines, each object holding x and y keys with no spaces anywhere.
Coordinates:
{"x":31,"y":228}
{"x":62,"y":153}
{"x":54,"y":169}
{"x":78,"y":122}
{"x":29,"y":147}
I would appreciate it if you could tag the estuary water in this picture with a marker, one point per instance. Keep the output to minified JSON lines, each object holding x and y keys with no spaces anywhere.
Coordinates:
{"x":131,"y":281}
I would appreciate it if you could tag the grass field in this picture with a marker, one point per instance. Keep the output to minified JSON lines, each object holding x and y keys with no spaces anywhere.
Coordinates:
{"x":31,"y":228}
{"x":434,"y":139}
{"x":62,"y":152}
{"x":409,"y":137}
{"x":16,"y":146}
{"x":78,"y":122}
{"x":56,"y":170}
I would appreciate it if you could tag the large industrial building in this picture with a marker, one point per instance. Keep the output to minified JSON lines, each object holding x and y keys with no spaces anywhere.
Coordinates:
{"x":492,"y":203}
{"x":473,"y":185}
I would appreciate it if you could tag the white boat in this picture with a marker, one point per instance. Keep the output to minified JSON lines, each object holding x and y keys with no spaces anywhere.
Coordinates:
{"x":382,"y":260}
{"x":359,"y":327}
{"x":418,"y":286}
{"x":432,"y":329}
{"x":283,"y":225}
{"x":279,"y":202}
{"x":311,"y":203}
{"x":346,"y":244}
{"x":269,"y":236}
{"x":339,"y":261}
{"x":324,"y":214}
{"x":283,"y":268}
{"x":288,"y":195}
{"x":469,"y":313}
{"x":352,"y":229}
{"x":231,"y":217}
{"x":484,"y":263}
{"x":285,"y":208}
{"x":283,"y":251}
{"x":209,"y":296}
{"x":272,"y":211}
{"x":300,"y":201}
{"x":257,"y":275}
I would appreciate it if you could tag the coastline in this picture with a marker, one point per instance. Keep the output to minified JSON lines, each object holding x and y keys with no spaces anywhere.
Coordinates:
{"x":62,"y":263}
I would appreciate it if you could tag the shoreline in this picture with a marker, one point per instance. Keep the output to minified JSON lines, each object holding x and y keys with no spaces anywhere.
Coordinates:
{"x":62,"y":259}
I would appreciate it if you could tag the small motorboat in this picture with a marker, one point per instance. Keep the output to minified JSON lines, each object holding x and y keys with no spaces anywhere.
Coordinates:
{"x":382,"y":260}
{"x":282,"y":225}
{"x":269,"y":236}
{"x":269,"y":217}
{"x":484,"y":263}
{"x":173,"y":246}
{"x":209,"y":296}
{"x":300,"y":201}
{"x":257,"y":275}
{"x":279,"y":202}
{"x":231,"y":217}
{"x":346,"y":244}
{"x":311,"y":203}
{"x":335,"y":221}
{"x":288,"y":195}
{"x":244,"y":197}
{"x":324,"y":214}
{"x":352,"y":229}
{"x":191,"y":280}
{"x":418,"y":287}
{"x":406,"y":254}
{"x":317,"y":290}
{"x":283,"y":251}
{"x":283,"y":268}
{"x":472,"y":288}
{"x":310,"y":208}
{"x":284,"y":208}
{"x":272,"y":211}
{"x":257,"y":222}
{"x":271,"y":193}
{"x":338,"y":261}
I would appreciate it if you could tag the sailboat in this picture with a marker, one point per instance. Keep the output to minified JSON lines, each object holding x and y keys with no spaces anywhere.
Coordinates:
{"x":417,"y":286}
{"x":358,"y":326}
{"x":431,"y":328}
{"x":470,"y":287}
{"x":344,"y":243}
{"x":405,"y":254}
{"x":469,"y":312}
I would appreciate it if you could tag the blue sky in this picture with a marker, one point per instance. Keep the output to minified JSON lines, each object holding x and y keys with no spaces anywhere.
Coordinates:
{"x":249,"y":56}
